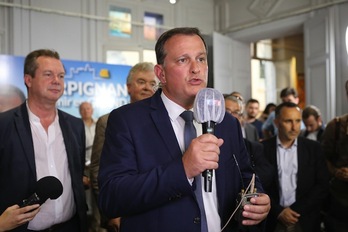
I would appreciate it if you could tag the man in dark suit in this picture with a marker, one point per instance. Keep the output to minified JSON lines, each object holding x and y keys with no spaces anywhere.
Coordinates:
{"x":300,"y":175}
{"x":37,"y":140}
{"x":146,"y":175}
{"x":234,"y":106}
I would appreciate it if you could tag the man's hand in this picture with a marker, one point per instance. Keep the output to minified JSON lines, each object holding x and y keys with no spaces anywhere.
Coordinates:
{"x":288,"y":217}
{"x":202,"y":154}
{"x":114,"y":224}
{"x":257,"y":211}
{"x":15,"y":216}
{"x":342,"y":173}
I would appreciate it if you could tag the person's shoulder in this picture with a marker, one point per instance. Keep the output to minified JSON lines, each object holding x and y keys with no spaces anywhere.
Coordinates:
{"x":229,"y":121}
{"x":308,"y":142}
{"x":344,"y":119}
{"x":67,"y":115}
{"x":303,"y":133}
{"x":71,"y":119}
{"x":268,"y":142}
{"x":8,"y":120}
{"x":257,"y":122}
{"x":338,"y":118}
{"x":138,"y":108}
{"x":250,"y":125}
{"x":103,"y":118}
{"x":255,"y":144}
{"x":10,"y":114}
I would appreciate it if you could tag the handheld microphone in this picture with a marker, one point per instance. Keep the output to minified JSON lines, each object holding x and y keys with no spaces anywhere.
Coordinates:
{"x":209,"y":110}
{"x":46,"y":187}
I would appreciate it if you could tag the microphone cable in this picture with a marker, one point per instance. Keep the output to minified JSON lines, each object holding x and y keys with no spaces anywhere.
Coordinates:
{"x":243,"y":193}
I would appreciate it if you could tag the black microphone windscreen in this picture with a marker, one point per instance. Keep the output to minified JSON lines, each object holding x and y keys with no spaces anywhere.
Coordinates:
{"x":209,"y":105}
{"x":48,"y":187}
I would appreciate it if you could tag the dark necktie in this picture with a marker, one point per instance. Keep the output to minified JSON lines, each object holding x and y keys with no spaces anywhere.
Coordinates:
{"x":189,"y":134}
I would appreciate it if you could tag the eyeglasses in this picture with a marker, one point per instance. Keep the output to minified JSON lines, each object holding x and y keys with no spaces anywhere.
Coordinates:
{"x":236,"y":114}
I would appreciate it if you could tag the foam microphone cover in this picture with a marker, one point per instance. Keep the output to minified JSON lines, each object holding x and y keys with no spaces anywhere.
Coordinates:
{"x":49,"y":187}
{"x":46,"y":187}
{"x":209,"y":105}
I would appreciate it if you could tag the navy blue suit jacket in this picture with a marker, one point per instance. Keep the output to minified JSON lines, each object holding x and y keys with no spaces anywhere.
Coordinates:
{"x":142,"y":178}
{"x":312,"y":183}
{"x":17,"y":159}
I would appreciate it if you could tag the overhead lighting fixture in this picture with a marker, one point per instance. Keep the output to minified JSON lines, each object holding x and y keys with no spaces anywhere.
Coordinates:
{"x":172,"y":1}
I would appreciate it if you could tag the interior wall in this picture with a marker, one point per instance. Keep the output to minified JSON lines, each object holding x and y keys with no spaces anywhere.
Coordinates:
{"x":250,"y":21}
{"x":78,"y":29}
{"x":341,"y":59}
{"x":234,"y":16}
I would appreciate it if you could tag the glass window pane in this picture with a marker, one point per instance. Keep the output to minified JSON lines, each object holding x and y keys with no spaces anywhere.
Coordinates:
{"x":264,"y":49}
{"x":120,"y":22}
{"x":122,"y":57}
{"x":149,"y":56}
{"x":151,"y":32}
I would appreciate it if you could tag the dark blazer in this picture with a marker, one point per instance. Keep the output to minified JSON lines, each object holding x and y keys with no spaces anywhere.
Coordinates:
{"x":312,"y":183}
{"x":258,"y":161}
{"x":17,"y":161}
{"x":305,"y":133}
{"x":142,"y":178}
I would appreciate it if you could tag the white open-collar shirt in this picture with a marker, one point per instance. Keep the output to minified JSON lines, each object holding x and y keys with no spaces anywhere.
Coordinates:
{"x":51,"y":160}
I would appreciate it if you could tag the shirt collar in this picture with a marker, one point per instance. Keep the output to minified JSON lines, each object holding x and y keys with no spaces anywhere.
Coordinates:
{"x":174,"y":110}
{"x":279,"y":144}
{"x":34,"y":118}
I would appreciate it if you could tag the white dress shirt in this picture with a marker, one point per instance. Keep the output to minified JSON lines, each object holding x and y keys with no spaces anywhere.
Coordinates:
{"x":209,"y":198}
{"x":51,"y":160}
{"x":287,"y":173}
{"x":90,"y":133}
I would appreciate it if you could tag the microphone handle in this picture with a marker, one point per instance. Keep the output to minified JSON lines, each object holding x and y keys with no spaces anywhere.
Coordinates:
{"x":32,"y":200}
{"x":208,"y":128}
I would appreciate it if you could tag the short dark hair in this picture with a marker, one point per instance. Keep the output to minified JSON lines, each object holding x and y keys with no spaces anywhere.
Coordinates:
{"x":159,"y":48}
{"x":252,"y":100}
{"x":311,"y":110}
{"x":30,"y":64}
{"x":288,"y":91}
{"x":268,"y":107}
{"x":279,"y":108}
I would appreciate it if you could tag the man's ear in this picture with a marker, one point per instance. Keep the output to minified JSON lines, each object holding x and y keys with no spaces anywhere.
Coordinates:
{"x":160,"y":73}
{"x":129,"y":86}
{"x":27,"y":80}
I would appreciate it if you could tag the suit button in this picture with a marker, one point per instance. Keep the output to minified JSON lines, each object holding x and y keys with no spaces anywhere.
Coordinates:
{"x":197,"y":220}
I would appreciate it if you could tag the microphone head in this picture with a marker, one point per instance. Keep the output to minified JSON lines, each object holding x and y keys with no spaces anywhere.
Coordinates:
{"x":48,"y":187}
{"x":209,"y":105}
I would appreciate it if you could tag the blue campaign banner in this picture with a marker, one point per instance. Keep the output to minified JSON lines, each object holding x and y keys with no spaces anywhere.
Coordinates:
{"x":103,"y":85}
